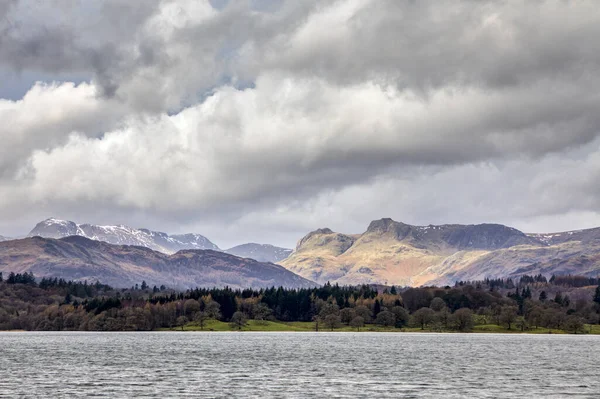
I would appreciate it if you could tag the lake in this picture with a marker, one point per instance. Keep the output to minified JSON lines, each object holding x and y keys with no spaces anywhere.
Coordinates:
{"x":171,"y":364}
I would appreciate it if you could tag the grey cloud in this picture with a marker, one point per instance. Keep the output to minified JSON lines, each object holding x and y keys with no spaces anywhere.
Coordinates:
{"x":276,"y":117}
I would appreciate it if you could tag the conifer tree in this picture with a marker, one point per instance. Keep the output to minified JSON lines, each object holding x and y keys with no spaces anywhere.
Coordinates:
{"x":376,"y":308}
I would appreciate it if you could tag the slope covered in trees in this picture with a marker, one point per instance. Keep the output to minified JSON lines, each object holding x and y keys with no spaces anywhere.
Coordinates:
{"x":566,"y":303}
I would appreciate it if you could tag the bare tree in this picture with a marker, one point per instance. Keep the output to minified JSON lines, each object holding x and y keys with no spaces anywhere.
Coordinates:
{"x":423,"y":317}
{"x":357,"y":323}
{"x":238,"y":320}
{"x":508,"y":315}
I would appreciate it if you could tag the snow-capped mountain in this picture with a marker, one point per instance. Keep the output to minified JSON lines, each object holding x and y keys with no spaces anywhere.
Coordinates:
{"x":2,"y":238}
{"x":260,"y":252}
{"x":122,"y":235}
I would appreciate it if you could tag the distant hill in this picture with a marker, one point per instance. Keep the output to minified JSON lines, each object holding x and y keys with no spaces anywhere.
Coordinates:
{"x":2,"y":238}
{"x":260,"y":252}
{"x":79,"y":258}
{"x":390,"y":252}
{"x":122,"y":235}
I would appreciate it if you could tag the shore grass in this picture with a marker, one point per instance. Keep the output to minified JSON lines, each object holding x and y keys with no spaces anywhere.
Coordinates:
{"x":299,"y":326}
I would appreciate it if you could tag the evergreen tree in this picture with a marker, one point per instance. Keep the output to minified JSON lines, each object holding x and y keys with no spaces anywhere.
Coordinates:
{"x":597,"y":295}
{"x":558,"y":298}
{"x":543,"y":296}
{"x":376,"y":308}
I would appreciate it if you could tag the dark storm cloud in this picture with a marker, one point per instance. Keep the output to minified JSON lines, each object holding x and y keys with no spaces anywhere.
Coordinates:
{"x":274,"y":117}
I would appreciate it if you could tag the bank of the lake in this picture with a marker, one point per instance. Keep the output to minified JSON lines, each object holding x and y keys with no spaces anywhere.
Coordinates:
{"x":299,"y":326}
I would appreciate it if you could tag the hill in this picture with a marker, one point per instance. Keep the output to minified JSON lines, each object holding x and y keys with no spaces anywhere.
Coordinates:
{"x":390,"y":252}
{"x":260,"y":252}
{"x":78,"y":258}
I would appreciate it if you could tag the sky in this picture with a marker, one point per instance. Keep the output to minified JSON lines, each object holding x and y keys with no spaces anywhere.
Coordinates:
{"x":262,"y":120}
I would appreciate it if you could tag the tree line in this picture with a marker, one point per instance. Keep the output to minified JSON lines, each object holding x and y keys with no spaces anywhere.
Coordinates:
{"x":531,"y":302}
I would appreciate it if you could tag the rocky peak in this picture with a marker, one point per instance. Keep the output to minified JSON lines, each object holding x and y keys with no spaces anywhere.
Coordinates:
{"x":327,"y":239}
{"x":306,"y":238}
{"x":388,"y":226}
{"x":54,"y":228}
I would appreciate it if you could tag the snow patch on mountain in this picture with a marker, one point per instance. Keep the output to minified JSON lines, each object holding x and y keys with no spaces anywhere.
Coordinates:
{"x":122,"y":235}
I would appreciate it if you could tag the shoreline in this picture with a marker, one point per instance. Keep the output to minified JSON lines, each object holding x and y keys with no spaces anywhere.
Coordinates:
{"x":336,"y":331}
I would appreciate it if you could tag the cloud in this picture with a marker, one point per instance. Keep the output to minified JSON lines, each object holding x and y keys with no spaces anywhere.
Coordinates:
{"x":267,"y":119}
{"x":46,"y":116}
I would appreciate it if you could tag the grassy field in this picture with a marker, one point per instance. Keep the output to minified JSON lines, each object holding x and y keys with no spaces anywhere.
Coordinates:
{"x":275,"y":326}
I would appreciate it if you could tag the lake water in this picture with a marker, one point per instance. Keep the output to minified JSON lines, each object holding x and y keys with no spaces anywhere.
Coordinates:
{"x":298,"y":365}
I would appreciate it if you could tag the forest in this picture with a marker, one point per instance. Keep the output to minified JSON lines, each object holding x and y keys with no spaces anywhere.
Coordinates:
{"x":568,"y":304}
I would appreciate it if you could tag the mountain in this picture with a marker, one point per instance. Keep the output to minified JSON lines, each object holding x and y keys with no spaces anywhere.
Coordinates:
{"x":2,"y":238}
{"x":390,"y":252}
{"x":80,"y":258}
{"x":260,"y":252}
{"x":122,"y":235}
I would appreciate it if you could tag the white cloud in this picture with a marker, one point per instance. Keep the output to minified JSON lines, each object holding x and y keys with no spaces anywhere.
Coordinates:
{"x":266,"y":122}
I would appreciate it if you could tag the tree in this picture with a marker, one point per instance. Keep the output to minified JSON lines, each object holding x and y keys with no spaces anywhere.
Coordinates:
{"x":357,"y":323}
{"x":261,"y":311}
{"x":508,"y":315}
{"x":437,"y":304}
{"x":402,"y":316}
{"x":144,"y":285}
{"x":385,"y":318}
{"x":181,"y":321}
{"x":596,"y":295}
{"x":543,"y":296}
{"x":566,"y":301}
{"x":521,"y":323}
{"x":347,"y":315}
{"x":534,"y":317}
{"x":423,"y":317}
{"x":574,"y":324}
{"x":212,"y":309}
{"x":238,"y":320}
{"x":201,"y":318}
{"x":332,"y":321}
{"x":190,"y":308}
{"x":416,"y":298}
{"x":462,"y":319}
{"x":376,"y":308}
{"x":363,"y":312}
{"x":444,"y":316}
{"x":329,"y":308}
{"x":558,"y":298}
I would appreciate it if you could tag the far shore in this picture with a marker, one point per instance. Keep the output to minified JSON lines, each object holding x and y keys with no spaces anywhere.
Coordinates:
{"x":278,"y":326}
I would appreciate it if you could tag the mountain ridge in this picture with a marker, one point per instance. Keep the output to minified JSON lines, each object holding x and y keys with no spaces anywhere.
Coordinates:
{"x":159,"y":241}
{"x":121,"y":235}
{"x":391,"y":252}
{"x":260,"y":252}
{"x":79,"y":258}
